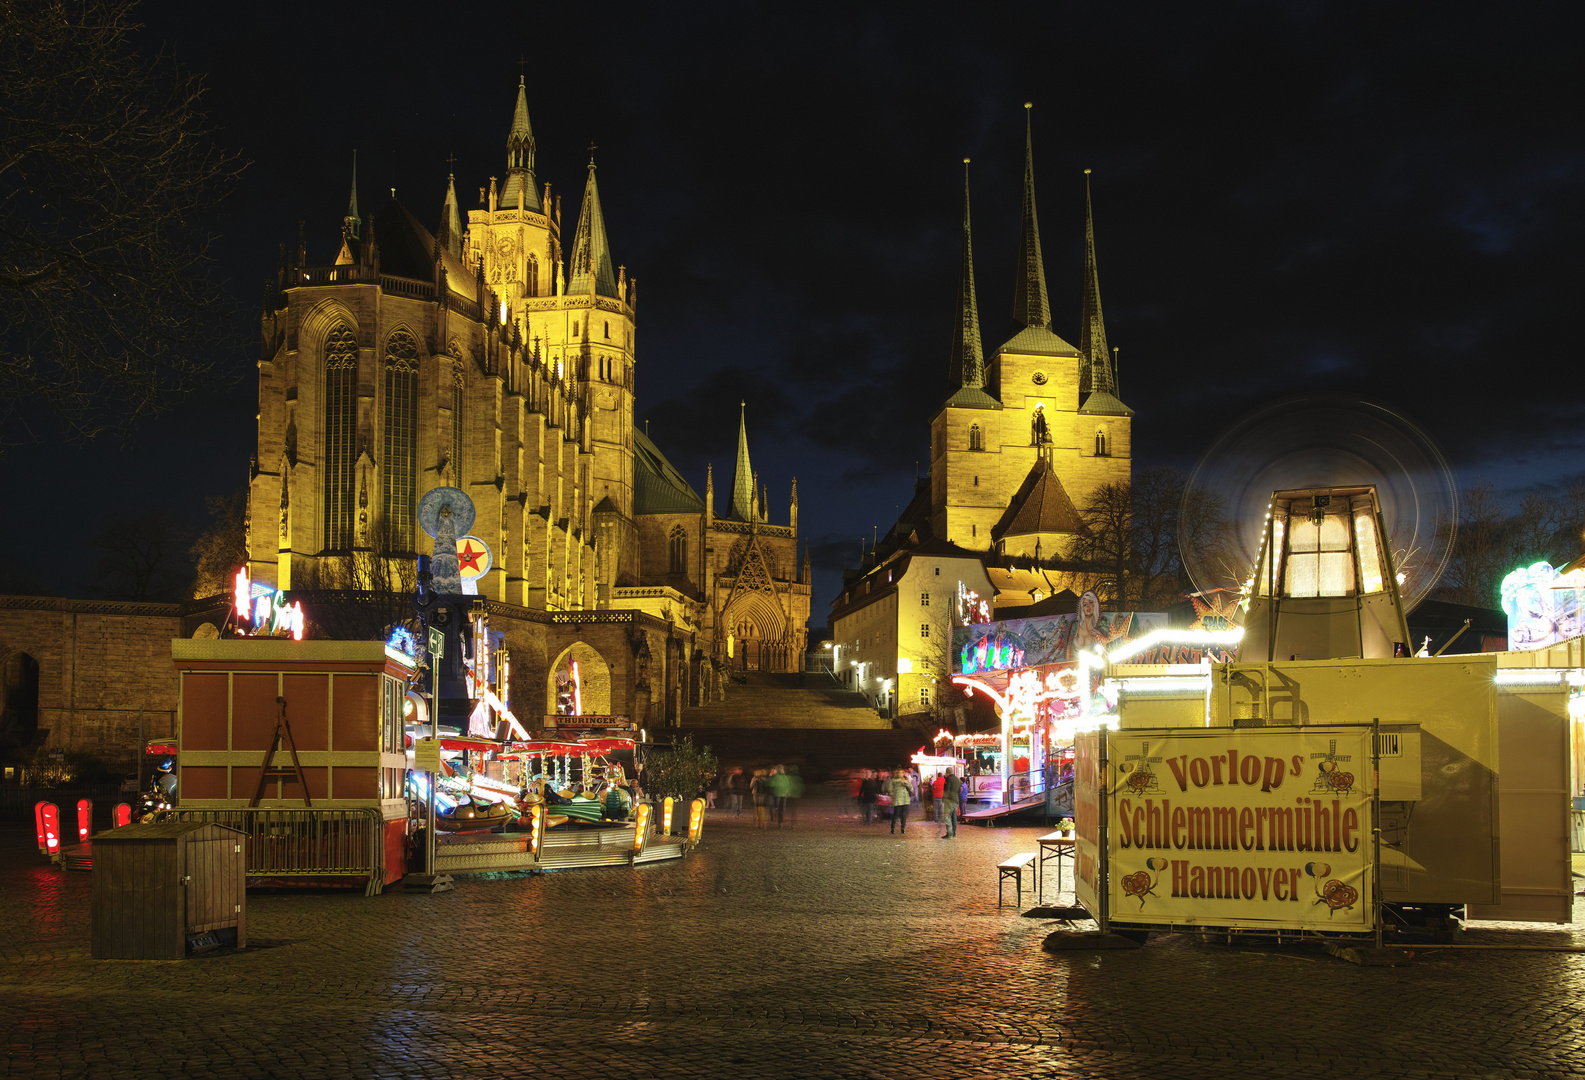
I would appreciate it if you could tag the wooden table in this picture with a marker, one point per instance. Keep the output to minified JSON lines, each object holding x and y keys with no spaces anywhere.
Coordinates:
{"x":1053,"y":845}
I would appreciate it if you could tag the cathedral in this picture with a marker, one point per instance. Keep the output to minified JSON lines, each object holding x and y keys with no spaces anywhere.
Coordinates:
{"x":1018,"y":447}
{"x":491,"y":355}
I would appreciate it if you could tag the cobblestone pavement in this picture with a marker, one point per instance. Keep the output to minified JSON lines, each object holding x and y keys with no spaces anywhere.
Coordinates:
{"x":825,"y":950}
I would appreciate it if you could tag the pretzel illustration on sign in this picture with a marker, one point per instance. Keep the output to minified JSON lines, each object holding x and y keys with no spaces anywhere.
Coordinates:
{"x":1140,"y":883}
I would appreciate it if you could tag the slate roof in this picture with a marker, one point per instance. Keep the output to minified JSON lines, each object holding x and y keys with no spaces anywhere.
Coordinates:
{"x":1040,"y":340}
{"x":1103,"y":403}
{"x":658,"y":488}
{"x":407,"y":249}
{"x":1041,"y":505}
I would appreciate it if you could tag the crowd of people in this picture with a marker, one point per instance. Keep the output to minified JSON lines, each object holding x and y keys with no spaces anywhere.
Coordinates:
{"x":773,"y":794}
{"x":942,"y":798}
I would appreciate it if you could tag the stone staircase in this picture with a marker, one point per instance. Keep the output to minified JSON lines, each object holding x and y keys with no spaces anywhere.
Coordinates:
{"x":787,"y":701}
{"x":819,"y":754}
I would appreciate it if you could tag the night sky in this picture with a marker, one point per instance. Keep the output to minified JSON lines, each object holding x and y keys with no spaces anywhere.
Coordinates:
{"x":1378,"y":198}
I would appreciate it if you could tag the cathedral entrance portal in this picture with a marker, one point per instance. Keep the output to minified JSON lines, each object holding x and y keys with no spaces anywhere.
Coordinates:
{"x":579,"y":683}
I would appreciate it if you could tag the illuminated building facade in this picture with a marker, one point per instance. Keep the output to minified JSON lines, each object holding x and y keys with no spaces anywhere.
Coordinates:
{"x":496,"y":354}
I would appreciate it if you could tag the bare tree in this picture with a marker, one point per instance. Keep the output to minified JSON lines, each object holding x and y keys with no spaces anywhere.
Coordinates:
{"x":1105,"y":547}
{"x":1491,"y":541}
{"x":360,"y":595}
{"x":107,"y":305}
{"x":141,"y":557}
{"x":223,"y":547}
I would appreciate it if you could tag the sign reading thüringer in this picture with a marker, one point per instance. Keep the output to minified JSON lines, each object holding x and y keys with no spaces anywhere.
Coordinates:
{"x":1241,"y":827}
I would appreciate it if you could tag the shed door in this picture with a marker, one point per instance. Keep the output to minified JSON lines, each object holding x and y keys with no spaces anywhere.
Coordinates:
{"x":212,"y":888}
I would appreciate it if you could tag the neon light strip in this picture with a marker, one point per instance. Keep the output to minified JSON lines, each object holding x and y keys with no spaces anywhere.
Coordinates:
{"x":1183,"y":637}
{"x":577,"y":691}
{"x":1164,"y":684}
{"x":1529,"y":676}
{"x":506,"y":714}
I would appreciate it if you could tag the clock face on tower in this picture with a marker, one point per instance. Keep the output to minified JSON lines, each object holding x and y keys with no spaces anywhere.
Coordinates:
{"x":505,"y":246}
{"x":1038,"y":378}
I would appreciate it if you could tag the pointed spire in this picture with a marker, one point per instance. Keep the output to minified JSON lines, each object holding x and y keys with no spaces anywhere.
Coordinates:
{"x":450,"y":234}
{"x":519,"y":192}
{"x":352,"y":224}
{"x":1097,"y":373}
{"x":1030,"y":305}
{"x":591,"y":269}
{"x":967,"y":359}
{"x":742,"y":506}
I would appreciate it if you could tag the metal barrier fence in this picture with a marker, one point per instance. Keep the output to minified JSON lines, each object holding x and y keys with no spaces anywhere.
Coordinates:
{"x":16,"y":803}
{"x":305,"y":843}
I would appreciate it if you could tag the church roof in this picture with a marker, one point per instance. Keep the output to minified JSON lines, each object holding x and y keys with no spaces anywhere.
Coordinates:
{"x":1038,"y":339}
{"x":972,"y":397}
{"x":1030,"y":304}
{"x":658,"y":488}
{"x":1041,"y":505}
{"x":518,"y":192}
{"x":741,"y":504}
{"x":1104,"y":403}
{"x":966,"y":363}
{"x":407,"y":249}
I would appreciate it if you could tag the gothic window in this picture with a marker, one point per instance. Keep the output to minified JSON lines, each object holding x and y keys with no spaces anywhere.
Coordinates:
{"x":975,"y":442}
{"x":679,"y":550}
{"x":456,"y":421}
{"x":531,"y":276}
{"x":1101,"y":449}
{"x":341,"y":421}
{"x":401,"y":438}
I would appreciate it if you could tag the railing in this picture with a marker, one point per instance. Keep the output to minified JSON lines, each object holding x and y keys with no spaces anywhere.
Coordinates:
{"x":401,"y":286}
{"x":16,"y":803}
{"x":306,"y":843}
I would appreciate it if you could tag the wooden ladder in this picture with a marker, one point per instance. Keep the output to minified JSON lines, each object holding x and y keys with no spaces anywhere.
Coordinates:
{"x":271,"y":771}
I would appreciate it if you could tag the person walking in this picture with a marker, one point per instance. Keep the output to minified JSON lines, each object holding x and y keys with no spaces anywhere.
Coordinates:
{"x":779,"y":785}
{"x":901,"y":799}
{"x":951,"y":788}
{"x":868,"y":789}
{"x":734,"y":792}
{"x":759,"y":792}
{"x":795,"y":791}
{"x":709,"y":792}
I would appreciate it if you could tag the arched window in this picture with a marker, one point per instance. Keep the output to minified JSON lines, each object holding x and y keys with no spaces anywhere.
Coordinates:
{"x":975,"y":441}
{"x":1101,"y":449}
{"x":679,"y":550}
{"x":341,"y":421}
{"x":608,"y":331}
{"x":401,"y":438}
{"x":531,"y":279}
{"x":457,"y":387}
{"x":575,"y":328}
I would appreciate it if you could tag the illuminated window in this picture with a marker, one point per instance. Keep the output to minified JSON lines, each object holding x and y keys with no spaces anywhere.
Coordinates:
{"x":974,"y":438}
{"x":456,"y":421}
{"x":1320,"y":562}
{"x":1370,"y":568}
{"x":401,"y":438}
{"x":679,"y":550}
{"x":924,"y":629}
{"x":341,"y":419}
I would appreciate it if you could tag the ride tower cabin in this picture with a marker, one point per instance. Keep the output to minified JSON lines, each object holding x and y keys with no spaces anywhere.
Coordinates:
{"x":1332,"y":592}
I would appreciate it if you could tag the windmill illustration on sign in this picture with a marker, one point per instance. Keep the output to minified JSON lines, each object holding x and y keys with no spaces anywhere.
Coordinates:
{"x":1331,"y":780}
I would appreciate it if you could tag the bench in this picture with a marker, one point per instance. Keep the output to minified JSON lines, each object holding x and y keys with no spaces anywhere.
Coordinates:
{"x":1013,"y":868}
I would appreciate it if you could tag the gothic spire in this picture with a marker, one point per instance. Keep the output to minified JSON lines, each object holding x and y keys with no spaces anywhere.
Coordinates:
{"x":591,"y":252}
{"x":450,"y":235}
{"x":519,"y":191}
{"x":352,"y":224}
{"x":1097,"y":373}
{"x":742,"y":506}
{"x":1030,"y":306}
{"x":967,"y":359}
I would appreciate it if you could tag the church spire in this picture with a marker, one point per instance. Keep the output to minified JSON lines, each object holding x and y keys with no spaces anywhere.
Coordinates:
{"x":450,"y":235}
{"x":1097,"y":374}
{"x":968,"y":359}
{"x":519,"y":191}
{"x":743,"y":493}
{"x":352,"y":224}
{"x":1030,"y":305}
{"x":591,"y":252}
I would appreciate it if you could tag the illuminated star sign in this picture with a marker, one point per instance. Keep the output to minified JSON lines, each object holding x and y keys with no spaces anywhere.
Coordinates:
{"x":468,"y":556}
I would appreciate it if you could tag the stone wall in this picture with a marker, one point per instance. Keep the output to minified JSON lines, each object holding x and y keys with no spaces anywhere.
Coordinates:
{"x":106,"y":682}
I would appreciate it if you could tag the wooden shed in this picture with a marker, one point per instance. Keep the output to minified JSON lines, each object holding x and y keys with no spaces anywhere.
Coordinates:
{"x":156,"y":884}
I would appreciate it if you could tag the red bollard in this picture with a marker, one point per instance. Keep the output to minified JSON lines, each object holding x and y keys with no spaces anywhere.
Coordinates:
{"x":121,"y":815}
{"x":85,"y":819}
{"x":52,"y":829}
{"x":38,"y":822}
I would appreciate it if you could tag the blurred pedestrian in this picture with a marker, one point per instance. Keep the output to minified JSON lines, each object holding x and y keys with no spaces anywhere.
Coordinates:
{"x":759,"y":792}
{"x":938,"y":789}
{"x":951,"y":788}
{"x":709,"y":792}
{"x":734,"y":792}
{"x":795,"y":791}
{"x":902,"y":798}
{"x":779,"y":787}
{"x":868,"y":789}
